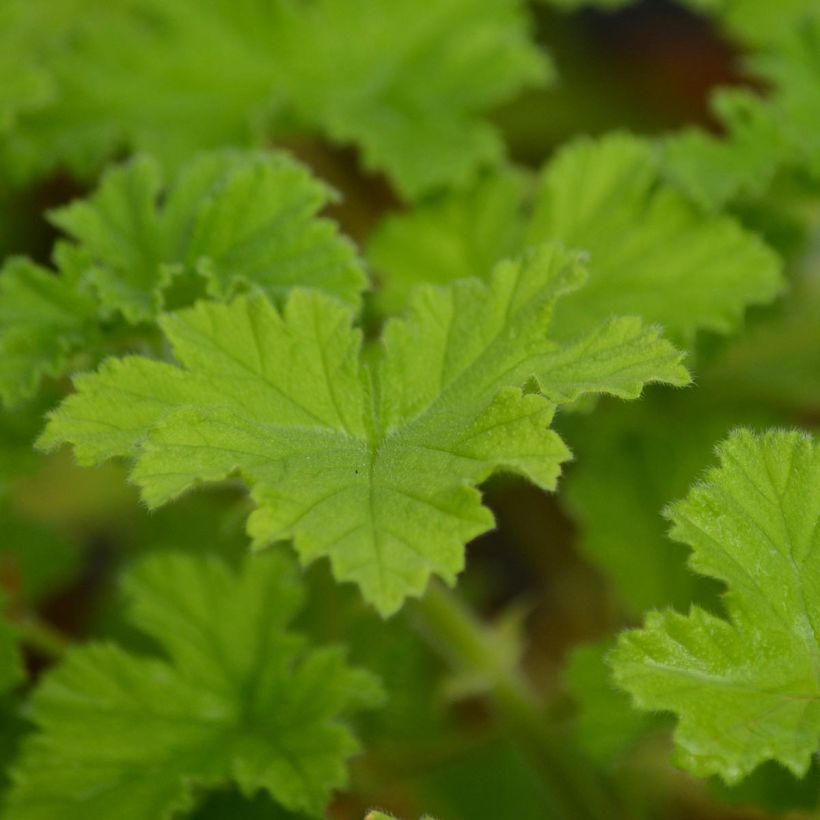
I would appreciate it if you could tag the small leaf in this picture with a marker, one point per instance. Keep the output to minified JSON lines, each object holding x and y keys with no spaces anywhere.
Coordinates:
{"x":651,"y":253}
{"x":235,"y":697}
{"x":745,"y":689}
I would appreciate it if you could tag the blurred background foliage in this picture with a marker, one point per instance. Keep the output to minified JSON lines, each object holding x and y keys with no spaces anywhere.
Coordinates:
{"x":559,"y":572}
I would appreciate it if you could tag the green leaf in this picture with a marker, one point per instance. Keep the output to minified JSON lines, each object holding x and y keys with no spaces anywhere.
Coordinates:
{"x":762,"y":134}
{"x":228,"y":221}
{"x":412,"y":95}
{"x":745,"y":689}
{"x":652,"y":254}
{"x":712,"y":170}
{"x":455,"y":236}
{"x":238,"y":219}
{"x":150,"y":75}
{"x":376,"y":466}
{"x":44,"y":320}
{"x":235,"y":697}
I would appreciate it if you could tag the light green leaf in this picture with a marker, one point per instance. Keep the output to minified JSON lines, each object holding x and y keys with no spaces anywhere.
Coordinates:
{"x":239,"y":219}
{"x":745,"y":689}
{"x":44,"y":320}
{"x":711,"y":169}
{"x":455,"y":236}
{"x":763,"y":134}
{"x":169,"y":79}
{"x":375,"y":467}
{"x":651,"y":253}
{"x":174,"y":78}
{"x":236,"y":697}
{"x":227,"y":222}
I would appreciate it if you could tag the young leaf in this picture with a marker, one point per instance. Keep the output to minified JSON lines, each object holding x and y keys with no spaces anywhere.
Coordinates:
{"x":745,"y":689}
{"x":227,"y":221}
{"x":238,"y":219}
{"x":236,"y":697}
{"x":453,"y":237}
{"x":651,"y":253}
{"x":711,"y":169}
{"x":375,"y":467}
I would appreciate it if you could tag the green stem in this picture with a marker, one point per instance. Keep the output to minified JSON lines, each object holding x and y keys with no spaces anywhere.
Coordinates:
{"x":579,"y":793}
{"x":41,"y":636}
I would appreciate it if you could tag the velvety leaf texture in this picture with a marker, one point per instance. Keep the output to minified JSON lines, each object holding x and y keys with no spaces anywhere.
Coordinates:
{"x":651,"y":253}
{"x":746,"y":688}
{"x":236,"y":697}
{"x":238,"y":219}
{"x":227,"y":222}
{"x":149,"y":76}
{"x":374,"y":465}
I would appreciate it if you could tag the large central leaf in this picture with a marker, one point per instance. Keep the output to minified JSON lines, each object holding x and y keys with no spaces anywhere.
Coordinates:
{"x":374,"y":465}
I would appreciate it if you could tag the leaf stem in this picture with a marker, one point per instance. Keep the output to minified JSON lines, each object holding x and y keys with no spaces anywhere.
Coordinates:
{"x":578,"y":791}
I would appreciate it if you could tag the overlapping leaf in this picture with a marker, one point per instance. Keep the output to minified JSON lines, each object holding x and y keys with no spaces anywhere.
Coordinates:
{"x":763,"y":134}
{"x":745,"y":689}
{"x":651,"y":253}
{"x":228,"y":221}
{"x":174,"y":78}
{"x":237,"y":697}
{"x":44,"y":320}
{"x":376,"y":466}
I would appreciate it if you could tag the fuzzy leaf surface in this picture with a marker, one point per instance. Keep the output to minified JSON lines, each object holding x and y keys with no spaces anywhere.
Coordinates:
{"x":651,"y":253}
{"x":745,"y":689}
{"x":238,"y":219}
{"x":374,"y":465}
{"x":227,"y":222}
{"x":236,"y":696}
